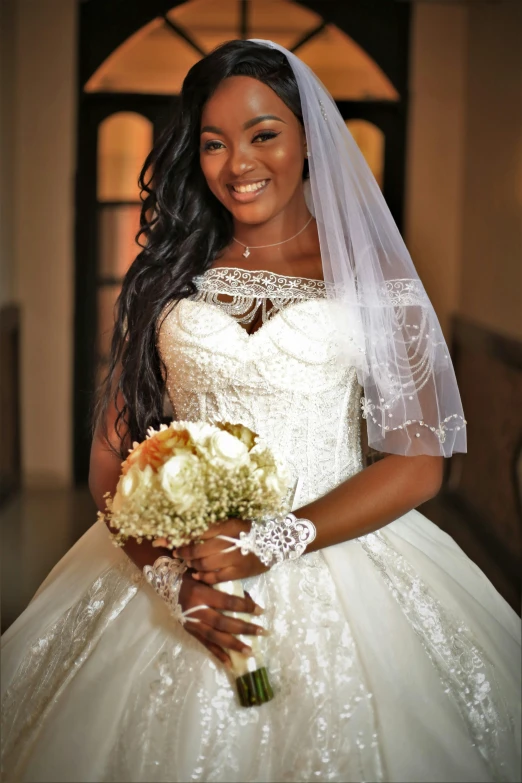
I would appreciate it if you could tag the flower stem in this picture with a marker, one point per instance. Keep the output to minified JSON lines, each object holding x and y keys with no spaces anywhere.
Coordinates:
{"x":254,"y":688}
{"x":252,"y":682}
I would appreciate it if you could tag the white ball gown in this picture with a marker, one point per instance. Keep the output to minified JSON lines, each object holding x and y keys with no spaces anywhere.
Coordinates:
{"x":392,"y":656}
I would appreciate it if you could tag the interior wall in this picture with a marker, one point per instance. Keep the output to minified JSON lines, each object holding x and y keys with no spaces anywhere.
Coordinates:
{"x":7,"y":49}
{"x":436,"y":145}
{"x":42,"y":188}
{"x":491,"y":270}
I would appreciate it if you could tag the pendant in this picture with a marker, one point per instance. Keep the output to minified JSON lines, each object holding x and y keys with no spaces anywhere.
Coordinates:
{"x":246,"y":253}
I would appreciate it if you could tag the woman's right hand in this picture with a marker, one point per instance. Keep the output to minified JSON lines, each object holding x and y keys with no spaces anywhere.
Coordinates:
{"x":216,"y":631}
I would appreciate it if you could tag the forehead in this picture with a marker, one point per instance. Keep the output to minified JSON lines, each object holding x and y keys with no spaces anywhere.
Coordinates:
{"x":239,"y":98}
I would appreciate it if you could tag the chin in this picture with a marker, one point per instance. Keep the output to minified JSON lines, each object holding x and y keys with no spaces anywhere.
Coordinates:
{"x":252,"y":214}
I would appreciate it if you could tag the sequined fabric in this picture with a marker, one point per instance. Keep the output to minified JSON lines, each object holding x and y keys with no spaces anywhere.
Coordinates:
{"x":284,"y":381}
{"x":213,"y":739}
{"x":466,"y":674}
{"x":381,"y":672}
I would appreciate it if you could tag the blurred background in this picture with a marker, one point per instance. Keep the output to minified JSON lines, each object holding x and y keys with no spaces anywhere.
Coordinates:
{"x":432,"y":92}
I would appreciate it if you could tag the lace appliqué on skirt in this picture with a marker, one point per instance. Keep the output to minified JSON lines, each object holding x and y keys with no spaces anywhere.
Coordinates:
{"x":183,"y":721}
{"x":55,"y":658}
{"x":466,"y":673}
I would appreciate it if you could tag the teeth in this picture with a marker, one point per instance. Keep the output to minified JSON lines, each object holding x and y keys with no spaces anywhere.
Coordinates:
{"x":250,"y":188}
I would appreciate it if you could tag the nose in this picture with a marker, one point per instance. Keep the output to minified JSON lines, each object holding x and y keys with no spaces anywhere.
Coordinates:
{"x":241,"y":161}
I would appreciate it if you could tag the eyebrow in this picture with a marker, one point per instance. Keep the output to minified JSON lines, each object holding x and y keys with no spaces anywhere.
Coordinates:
{"x":246,"y":126}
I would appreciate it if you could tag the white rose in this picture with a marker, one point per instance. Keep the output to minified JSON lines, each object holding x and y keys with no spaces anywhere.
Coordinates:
{"x":175,"y":480}
{"x":129,"y":483}
{"x":273,"y":481}
{"x":117,"y":503}
{"x":200,"y":431}
{"x":228,"y":449}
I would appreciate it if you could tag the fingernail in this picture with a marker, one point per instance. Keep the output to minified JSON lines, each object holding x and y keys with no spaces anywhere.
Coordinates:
{"x":262,"y":632}
{"x":196,"y":576}
{"x":258,"y":610}
{"x":156,"y":543}
{"x":246,"y":651}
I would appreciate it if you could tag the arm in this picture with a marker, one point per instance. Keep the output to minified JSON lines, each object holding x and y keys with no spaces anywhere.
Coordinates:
{"x":216,"y":631}
{"x":363,"y":503}
{"x":373,"y":498}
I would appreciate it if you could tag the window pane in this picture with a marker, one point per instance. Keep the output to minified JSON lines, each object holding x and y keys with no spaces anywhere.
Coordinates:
{"x":107,"y":296}
{"x":156,"y":59}
{"x":117,"y":229}
{"x":124,"y":141}
{"x":370,"y":140}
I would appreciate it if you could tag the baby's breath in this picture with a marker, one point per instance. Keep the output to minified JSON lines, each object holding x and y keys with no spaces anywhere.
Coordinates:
{"x":212,"y":490}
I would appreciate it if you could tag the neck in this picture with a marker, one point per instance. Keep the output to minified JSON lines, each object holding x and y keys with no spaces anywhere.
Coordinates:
{"x":278,"y":228}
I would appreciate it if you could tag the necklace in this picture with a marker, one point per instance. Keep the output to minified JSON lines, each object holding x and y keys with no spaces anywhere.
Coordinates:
{"x":248,"y":248}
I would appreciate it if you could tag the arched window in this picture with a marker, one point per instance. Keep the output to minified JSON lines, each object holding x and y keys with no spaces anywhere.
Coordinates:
{"x":156,"y":58}
{"x":124,"y":141}
{"x":370,"y":140}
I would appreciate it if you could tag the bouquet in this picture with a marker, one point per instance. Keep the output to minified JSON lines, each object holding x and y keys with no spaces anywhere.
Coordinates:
{"x":185,"y":477}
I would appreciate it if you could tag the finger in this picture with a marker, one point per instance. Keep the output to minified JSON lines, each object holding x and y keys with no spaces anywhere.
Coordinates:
{"x":227,"y":574}
{"x":218,"y":528}
{"x":226,"y":640}
{"x":212,"y":563}
{"x":232,"y":625}
{"x":257,"y":610}
{"x":160,"y":542}
{"x":199,"y":550}
{"x":225,"y":602}
{"x":217,"y":651}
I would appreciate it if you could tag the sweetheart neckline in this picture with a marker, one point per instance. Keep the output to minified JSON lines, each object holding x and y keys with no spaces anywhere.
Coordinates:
{"x":234,"y":322}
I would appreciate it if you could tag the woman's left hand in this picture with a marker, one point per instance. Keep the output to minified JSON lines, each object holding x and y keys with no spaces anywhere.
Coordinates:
{"x":211,"y":566}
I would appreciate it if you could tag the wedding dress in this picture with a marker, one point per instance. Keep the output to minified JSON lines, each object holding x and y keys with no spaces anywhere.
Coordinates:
{"x":392,"y":656}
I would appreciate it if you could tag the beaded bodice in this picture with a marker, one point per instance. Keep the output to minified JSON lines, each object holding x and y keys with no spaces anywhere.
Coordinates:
{"x":284,"y":380}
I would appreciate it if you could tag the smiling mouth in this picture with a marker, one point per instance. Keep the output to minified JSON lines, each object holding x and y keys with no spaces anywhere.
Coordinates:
{"x":250,"y":187}
{"x":249,"y":190}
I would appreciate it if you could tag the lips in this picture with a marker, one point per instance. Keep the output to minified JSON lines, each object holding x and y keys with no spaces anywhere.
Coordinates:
{"x":249,"y":187}
{"x":248,"y":191}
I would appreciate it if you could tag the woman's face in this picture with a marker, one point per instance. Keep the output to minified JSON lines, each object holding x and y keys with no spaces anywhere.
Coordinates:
{"x":252,"y":150}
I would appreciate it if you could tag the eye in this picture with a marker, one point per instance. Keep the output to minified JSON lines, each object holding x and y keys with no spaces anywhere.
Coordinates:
{"x":213,"y":145}
{"x":265,"y":136}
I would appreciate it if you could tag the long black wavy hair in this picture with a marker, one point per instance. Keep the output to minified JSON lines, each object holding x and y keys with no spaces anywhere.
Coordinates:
{"x":183,"y":229}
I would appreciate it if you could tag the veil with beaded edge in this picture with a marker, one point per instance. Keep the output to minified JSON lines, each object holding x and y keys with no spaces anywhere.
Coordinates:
{"x":386,"y":323}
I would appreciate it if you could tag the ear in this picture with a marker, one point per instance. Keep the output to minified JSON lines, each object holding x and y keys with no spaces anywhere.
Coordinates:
{"x":304,"y":143}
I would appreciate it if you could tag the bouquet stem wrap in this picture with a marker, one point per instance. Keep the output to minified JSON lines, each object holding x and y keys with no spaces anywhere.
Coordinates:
{"x":252,"y":683}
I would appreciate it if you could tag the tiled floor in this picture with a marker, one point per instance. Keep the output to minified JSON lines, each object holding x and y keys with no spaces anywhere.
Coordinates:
{"x":37,"y":528}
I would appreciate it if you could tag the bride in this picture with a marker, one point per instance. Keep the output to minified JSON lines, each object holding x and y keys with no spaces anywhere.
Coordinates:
{"x":273,"y":289}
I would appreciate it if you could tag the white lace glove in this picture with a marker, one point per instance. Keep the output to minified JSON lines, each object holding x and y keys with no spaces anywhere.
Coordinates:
{"x":275,"y":541}
{"x":165,"y":576}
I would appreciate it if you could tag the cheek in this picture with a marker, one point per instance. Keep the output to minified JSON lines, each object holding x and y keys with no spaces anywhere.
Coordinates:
{"x":211,"y":166}
{"x":288,"y":162}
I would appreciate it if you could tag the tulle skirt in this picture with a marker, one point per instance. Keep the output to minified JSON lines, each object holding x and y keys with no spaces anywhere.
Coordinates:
{"x":392,"y":657}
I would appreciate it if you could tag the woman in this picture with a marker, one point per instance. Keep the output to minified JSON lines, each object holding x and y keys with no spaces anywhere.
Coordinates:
{"x":392,"y":656}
